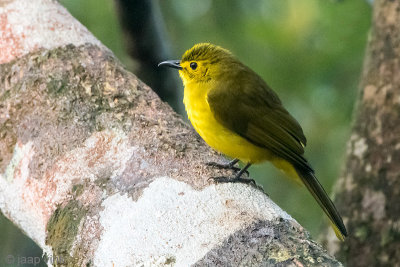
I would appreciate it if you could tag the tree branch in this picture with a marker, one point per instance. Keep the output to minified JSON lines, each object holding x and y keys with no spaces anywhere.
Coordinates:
{"x":369,"y":186}
{"x":98,"y":171}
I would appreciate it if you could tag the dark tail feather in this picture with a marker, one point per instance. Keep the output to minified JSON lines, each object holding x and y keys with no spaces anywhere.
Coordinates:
{"x":324,"y":201}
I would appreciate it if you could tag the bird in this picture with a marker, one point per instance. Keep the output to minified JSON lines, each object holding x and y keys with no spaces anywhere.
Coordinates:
{"x":236,"y":113}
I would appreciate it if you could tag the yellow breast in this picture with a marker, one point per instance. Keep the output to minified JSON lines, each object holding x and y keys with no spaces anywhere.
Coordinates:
{"x":214,"y":133}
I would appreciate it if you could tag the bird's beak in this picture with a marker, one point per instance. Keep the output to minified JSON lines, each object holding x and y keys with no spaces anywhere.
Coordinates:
{"x":176,"y":64}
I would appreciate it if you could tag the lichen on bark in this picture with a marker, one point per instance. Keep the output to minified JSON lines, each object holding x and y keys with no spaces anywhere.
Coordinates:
{"x":368,"y":191}
{"x":62,"y":230}
{"x":280,"y":247}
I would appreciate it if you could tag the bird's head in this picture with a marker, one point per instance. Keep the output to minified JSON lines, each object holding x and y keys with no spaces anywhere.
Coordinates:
{"x":202,"y":63}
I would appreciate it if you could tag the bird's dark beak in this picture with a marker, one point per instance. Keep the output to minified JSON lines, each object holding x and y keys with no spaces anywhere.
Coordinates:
{"x":176,"y":64}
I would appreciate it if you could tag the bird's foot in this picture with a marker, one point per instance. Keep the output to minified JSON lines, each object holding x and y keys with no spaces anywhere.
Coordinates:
{"x":228,"y":166}
{"x":223,"y":179}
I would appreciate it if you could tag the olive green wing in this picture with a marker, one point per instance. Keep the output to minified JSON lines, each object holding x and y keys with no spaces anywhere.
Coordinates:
{"x":247,"y":106}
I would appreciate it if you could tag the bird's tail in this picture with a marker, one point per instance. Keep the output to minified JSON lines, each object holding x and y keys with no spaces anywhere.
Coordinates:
{"x":318,"y":192}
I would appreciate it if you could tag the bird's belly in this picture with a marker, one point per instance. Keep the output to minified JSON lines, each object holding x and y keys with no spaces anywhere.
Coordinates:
{"x":224,"y":140}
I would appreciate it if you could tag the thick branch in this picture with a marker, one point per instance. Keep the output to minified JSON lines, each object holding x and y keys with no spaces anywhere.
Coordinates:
{"x":368,"y":191}
{"x":99,"y":171}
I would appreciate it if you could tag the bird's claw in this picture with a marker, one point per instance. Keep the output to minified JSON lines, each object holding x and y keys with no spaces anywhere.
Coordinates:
{"x":227,"y":166}
{"x":223,"y":179}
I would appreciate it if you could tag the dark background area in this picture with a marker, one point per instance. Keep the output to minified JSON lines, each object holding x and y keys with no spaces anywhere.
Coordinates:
{"x":310,"y":52}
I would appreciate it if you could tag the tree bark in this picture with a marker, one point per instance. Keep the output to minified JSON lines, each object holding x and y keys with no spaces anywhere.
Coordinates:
{"x":368,"y":191}
{"x":98,"y":171}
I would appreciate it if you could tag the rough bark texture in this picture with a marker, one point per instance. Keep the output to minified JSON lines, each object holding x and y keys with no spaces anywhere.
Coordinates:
{"x":368,"y":193}
{"x":98,"y":171}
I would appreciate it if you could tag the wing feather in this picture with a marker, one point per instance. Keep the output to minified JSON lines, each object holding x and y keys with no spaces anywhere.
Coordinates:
{"x":247,"y":106}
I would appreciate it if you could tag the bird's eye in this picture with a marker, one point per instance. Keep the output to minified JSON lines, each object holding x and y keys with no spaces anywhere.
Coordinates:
{"x":193,"y":65}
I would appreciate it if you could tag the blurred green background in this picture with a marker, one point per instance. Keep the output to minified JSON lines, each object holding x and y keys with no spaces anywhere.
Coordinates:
{"x":310,"y":52}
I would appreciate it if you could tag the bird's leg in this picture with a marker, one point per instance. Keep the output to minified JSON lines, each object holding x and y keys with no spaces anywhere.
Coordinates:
{"x":237,"y":178}
{"x":229,"y":166}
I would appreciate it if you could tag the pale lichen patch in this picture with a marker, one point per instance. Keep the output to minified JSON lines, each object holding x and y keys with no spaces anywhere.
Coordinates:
{"x":396,"y":226}
{"x":359,"y":147}
{"x":369,"y":92}
{"x":397,"y":146}
{"x":13,"y":194}
{"x":368,"y":167}
{"x":26,"y":26}
{"x":349,"y":183}
{"x":280,"y":255}
{"x":30,"y":202}
{"x":18,"y":166}
{"x":179,"y":221}
{"x":373,"y":203}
